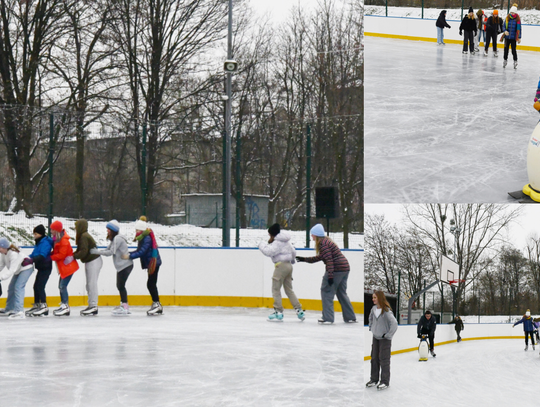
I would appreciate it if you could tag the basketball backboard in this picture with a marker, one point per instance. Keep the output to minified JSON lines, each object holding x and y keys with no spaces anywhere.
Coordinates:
{"x":449,"y":270}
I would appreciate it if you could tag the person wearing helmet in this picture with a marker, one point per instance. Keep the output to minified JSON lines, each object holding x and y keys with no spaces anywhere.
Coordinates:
{"x":494,"y":26}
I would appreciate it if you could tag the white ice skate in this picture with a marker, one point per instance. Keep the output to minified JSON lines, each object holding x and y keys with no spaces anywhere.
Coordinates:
{"x":485,"y":53}
{"x":156,"y":309}
{"x":42,"y":311}
{"x":382,"y":386}
{"x":300,"y":314}
{"x":371,"y":383}
{"x":495,"y":54}
{"x":515,"y":64}
{"x":121,"y":310}
{"x":89,"y":311}
{"x":62,"y":311}
{"x":17,"y":315}
{"x":504,"y":63}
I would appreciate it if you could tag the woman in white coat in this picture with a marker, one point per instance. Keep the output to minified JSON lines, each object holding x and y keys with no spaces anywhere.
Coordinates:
{"x":283,"y":255}
{"x":11,"y":265}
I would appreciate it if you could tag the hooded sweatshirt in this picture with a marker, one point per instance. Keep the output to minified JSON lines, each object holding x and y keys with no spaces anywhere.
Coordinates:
{"x":117,"y":247}
{"x":280,"y":249}
{"x":84,"y":242}
{"x":383,"y":326}
{"x":10,"y":264}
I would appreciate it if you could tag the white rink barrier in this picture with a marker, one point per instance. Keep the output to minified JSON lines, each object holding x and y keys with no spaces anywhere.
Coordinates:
{"x":425,"y":30}
{"x":235,"y":277}
{"x":406,"y":340}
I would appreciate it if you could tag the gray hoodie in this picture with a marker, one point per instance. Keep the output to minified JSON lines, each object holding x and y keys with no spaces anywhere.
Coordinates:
{"x":385,"y":324}
{"x":117,"y":247}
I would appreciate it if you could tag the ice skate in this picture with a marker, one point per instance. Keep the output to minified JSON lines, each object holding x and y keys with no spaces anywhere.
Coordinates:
{"x":35,"y":307}
{"x":382,"y":386}
{"x":485,"y":53}
{"x":324,"y":322}
{"x":476,"y":49}
{"x":276,"y":316}
{"x":62,"y":311}
{"x":371,"y":383}
{"x":42,"y":311}
{"x":121,"y":310}
{"x":300,"y":314}
{"x":515,"y":64}
{"x":351,"y":321}
{"x":534,"y":348}
{"x":473,"y":52}
{"x":4,"y":313}
{"x":495,"y":54}
{"x":156,"y":309}
{"x":432,"y":352}
{"x":17,"y":315}
{"x":526,"y":347}
{"x":504,"y":63}
{"x":89,"y":311}
{"x":464,"y":52}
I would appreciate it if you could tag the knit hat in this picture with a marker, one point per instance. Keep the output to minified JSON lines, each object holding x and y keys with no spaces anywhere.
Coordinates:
{"x":4,"y":243}
{"x":471,"y":10}
{"x":317,"y":230}
{"x":528,"y":313}
{"x":495,"y":12}
{"x":274,"y":229}
{"x":57,"y":226}
{"x":513,"y":9}
{"x":140,"y":224}
{"x":114,"y":226}
{"x":40,"y":230}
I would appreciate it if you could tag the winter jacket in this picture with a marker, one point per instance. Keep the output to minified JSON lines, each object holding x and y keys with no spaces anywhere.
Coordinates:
{"x":117,"y":247}
{"x":441,"y":21}
{"x":42,"y":253}
{"x":384,"y":326}
{"x":468,"y":24}
{"x":84,"y":242}
{"x":527,"y":323}
{"x":494,"y":25}
{"x":10,"y":264}
{"x":61,"y":250}
{"x":512,"y":24}
{"x":144,"y":252}
{"x":331,"y":256}
{"x":426,"y":326}
{"x":280,"y":249}
{"x":459,"y":324}
{"x":481,"y":20}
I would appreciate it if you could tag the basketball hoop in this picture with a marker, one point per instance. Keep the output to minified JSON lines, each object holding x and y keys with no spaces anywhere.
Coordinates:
{"x":455,"y":282}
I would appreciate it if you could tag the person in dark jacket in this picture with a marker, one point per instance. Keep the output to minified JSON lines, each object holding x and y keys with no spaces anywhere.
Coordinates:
{"x":441,"y":23}
{"x":468,"y":29}
{"x":528,"y":328}
{"x":512,"y":34}
{"x":494,"y":26}
{"x":427,"y":326}
{"x":459,"y":326}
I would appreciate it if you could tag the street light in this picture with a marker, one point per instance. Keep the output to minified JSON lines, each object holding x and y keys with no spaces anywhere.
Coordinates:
{"x":455,"y":230}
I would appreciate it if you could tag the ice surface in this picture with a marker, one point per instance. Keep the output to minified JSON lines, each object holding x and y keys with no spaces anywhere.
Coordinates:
{"x":495,"y":372}
{"x":191,"y":356}
{"x":445,"y":127}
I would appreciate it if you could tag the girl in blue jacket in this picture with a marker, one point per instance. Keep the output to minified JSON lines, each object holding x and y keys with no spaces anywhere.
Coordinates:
{"x":528,"y":328}
{"x":41,"y":257}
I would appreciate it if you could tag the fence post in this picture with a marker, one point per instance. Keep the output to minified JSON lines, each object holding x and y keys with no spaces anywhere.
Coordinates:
{"x":144,"y":169}
{"x":51,"y":164}
{"x":308,"y":183}
{"x":238,"y":192}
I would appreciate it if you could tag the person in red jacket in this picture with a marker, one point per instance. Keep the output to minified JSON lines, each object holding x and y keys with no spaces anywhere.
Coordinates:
{"x":62,"y":254}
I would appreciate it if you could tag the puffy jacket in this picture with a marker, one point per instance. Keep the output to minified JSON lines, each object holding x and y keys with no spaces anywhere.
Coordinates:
{"x":527,"y":323}
{"x":144,"y":252}
{"x":331,"y":256}
{"x":117,"y":247}
{"x":384,"y":326}
{"x":441,"y":21}
{"x":494,"y":24}
{"x":280,"y":249}
{"x":61,"y":250}
{"x":512,"y":24}
{"x":42,"y":253}
{"x":459,"y":324}
{"x":84,"y":242}
{"x":468,"y":24}
{"x":10,"y":264}
{"x":426,"y":326}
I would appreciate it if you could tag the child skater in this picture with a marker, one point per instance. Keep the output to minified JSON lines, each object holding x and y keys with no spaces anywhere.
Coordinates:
{"x":11,"y":260}
{"x":537,"y":98}
{"x":118,"y":246}
{"x":468,"y":29}
{"x":280,"y":249}
{"x":528,"y":328}
{"x":66,"y":264}
{"x":512,"y":35}
{"x":459,"y":326}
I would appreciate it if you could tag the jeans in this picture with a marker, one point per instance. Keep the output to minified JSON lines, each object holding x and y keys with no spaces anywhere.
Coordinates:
{"x":339,"y":289}
{"x":15,"y":298}
{"x":62,"y":285}
{"x":481,"y":33}
{"x":440,"y":35}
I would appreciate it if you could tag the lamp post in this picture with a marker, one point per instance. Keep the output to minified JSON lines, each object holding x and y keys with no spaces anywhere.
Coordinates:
{"x":456,"y":231}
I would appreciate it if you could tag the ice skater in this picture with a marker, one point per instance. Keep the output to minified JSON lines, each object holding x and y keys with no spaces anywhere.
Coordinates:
{"x":92,"y":264}
{"x":458,"y":326}
{"x":11,"y":260}
{"x":441,"y":24}
{"x":468,"y":29}
{"x":536,"y":104}
{"x":511,"y":35}
{"x":481,"y":24}
{"x":118,"y":247}
{"x":494,"y":26}
{"x":282,"y":253}
{"x":147,"y":251}
{"x":383,"y":326}
{"x":41,"y":258}
{"x":528,"y":328}
{"x":427,"y":326}
{"x":66,"y":264}
{"x":335,"y":278}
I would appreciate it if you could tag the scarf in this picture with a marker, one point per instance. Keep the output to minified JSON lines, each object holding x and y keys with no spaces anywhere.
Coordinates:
{"x":153,"y":261}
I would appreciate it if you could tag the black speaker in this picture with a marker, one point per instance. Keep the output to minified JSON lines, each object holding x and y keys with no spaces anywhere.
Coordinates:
{"x":326,"y":202}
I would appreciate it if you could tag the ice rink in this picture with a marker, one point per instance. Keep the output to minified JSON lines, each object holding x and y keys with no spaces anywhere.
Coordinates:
{"x":191,"y":356}
{"x":441,"y":126}
{"x":495,"y":372}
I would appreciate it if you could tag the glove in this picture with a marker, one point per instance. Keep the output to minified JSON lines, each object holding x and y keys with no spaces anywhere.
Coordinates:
{"x":299,"y":258}
{"x":460,"y":32}
{"x":27,"y":261}
{"x":68,"y":260}
{"x":330,"y":280}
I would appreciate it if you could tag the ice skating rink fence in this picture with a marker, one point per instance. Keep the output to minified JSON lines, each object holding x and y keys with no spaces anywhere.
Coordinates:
{"x":425,"y":30}
{"x":405,"y":339}
{"x":224,"y":277}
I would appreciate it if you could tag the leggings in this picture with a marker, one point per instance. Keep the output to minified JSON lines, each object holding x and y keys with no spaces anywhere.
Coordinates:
{"x":507,"y":45}
{"x":39,"y":285}
{"x":527,"y":333}
{"x":151,"y":284}
{"x":491,"y":36}
{"x":121,"y":278}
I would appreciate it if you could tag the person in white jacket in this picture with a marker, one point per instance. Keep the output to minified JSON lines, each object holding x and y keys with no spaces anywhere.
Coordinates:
{"x":282,"y":253}
{"x":11,"y":260}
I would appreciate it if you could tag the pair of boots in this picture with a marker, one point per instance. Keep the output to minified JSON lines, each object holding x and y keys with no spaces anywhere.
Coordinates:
{"x":38,"y":309}
{"x":278,"y":316}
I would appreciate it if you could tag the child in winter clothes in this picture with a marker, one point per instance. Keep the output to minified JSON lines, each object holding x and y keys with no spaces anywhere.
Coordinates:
{"x":441,"y":23}
{"x":459,"y":326}
{"x":537,"y":98}
{"x":41,"y":257}
{"x":63,"y":256}
{"x":282,"y":253}
{"x":468,"y":29}
{"x":512,"y":34}
{"x":11,"y":260}
{"x":494,"y":26}
{"x":117,"y":247}
{"x":481,"y":19}
{"x":528,"y":328}
{"x":383,"y":326}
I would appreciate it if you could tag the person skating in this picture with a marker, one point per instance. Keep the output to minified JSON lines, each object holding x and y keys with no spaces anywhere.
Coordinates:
{"x":511,"y":35}
{"x":536,"y":104}
{"x":11,"y":260}
{"x":118,"y":246}
{"x":282,"y":253}
{"x":147,"y":251}
{"x":494,"y":26}
{"x":441,"y":24}
{"x":468,"y":29}
{"x":528,"y":328}
{"x":92,"y":264}
{"x":427,"y":326}
{"x":335,"y":278}
{"x":62,"y":255}
{"x":458,"y":326}
{"x":481,"y":25}
{"x":41,"y":258}
{"x":383,"y":326}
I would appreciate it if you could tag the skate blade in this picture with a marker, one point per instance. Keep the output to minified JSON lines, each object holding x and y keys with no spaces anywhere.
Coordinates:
{"x":274,"y":320}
